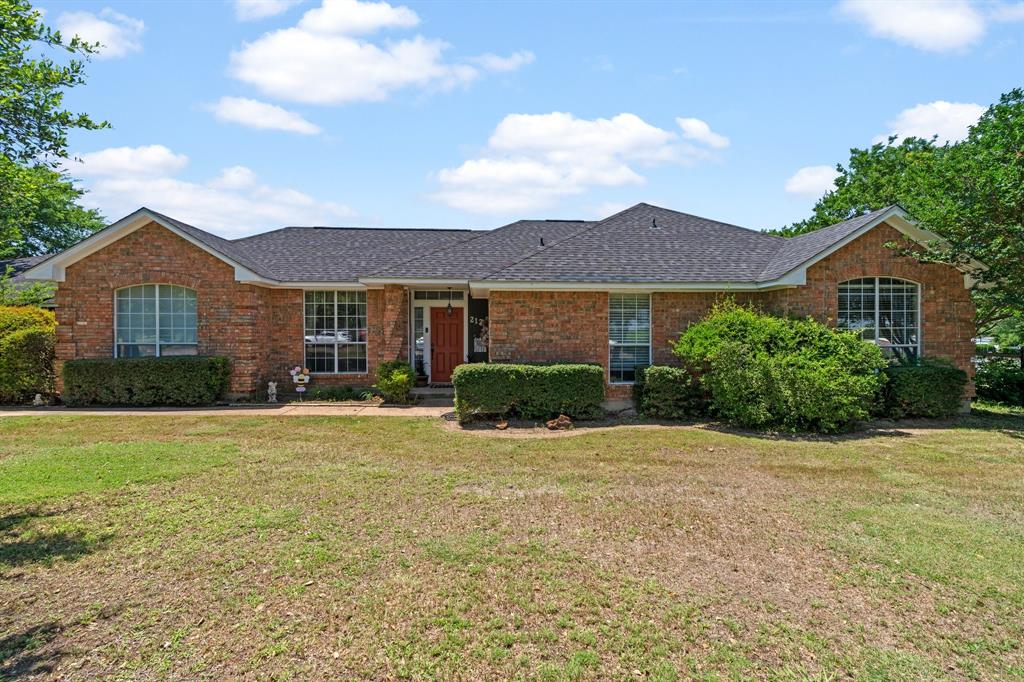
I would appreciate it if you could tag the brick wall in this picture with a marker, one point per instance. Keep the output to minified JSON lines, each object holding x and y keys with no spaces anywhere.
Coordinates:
{"x":260,"y":329}
{"x":947,"y":310}
{"x":228,"y":313}
{"x":574,"y":325}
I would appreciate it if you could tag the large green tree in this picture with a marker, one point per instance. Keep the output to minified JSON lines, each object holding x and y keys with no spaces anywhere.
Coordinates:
{"x":971,"y":193}
{"x":38,"y":204}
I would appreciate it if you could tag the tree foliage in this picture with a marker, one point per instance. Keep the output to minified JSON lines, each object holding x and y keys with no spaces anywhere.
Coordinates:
{"x":35,"y":123}
{"x":39,"y":211}
{"x":971,"y":193}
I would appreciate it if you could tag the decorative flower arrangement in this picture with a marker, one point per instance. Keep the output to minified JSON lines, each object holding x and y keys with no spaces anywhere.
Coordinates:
{"x":300,"y":375}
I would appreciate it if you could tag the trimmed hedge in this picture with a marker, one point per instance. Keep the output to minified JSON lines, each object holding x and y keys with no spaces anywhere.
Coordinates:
{"x":26,"y":364}
{"x":145,"y":382}
{"x":1001,"y":381}
{"x":528,"y":391}
{"x":15,"y":317}
{"x":663,"y":392}
{"x":395,"y":380}
{"x":928,"y":388}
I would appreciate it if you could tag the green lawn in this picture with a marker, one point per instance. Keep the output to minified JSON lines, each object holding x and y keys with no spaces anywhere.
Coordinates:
{"x":220,"y":547}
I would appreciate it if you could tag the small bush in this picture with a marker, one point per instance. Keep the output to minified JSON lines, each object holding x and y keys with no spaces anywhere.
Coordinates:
{"x":26,"y":364}
{"x":669,"y":393}
{"x":338,"y":393}
{"x":927,"y":388}
{"x":983,"y":349}
{"x":395,"y":380}
{"x":145,"y":382}
{"x":15,"y":317}
{"x":528,"y":391}
{"x":1001,"y":381}
{"x":768,"y":372}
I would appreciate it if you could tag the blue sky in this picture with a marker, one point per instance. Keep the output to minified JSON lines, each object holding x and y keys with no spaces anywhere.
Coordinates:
{"x":245,"y":116}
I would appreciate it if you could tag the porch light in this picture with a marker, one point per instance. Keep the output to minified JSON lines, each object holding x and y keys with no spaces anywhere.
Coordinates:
{"x":450,"y":309}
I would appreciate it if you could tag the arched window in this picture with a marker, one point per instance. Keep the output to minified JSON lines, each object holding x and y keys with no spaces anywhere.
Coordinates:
{"x":885,"y":311}
{"x":154,"y":320}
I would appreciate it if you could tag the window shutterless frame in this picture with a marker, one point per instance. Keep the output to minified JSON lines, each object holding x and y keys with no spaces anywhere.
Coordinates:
{"x":174,"y":320}
{"x":629,"y":328}
{"x":336,"y":316}
{"x":874,"y":286}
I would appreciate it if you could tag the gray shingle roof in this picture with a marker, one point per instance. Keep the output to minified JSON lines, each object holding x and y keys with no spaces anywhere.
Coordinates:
{"x":644,"y":243}
{"x":337,"y":254}
{"x":798,"y":250}
{"x":487,"y":252}
{"x":20,"y":265}
{"x":650,"y":244}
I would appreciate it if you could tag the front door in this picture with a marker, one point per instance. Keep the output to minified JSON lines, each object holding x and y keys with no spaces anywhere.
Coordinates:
{"x":446,"y":340}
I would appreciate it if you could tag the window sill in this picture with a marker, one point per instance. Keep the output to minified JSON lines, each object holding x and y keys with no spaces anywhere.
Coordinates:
{"x":339,"y":374}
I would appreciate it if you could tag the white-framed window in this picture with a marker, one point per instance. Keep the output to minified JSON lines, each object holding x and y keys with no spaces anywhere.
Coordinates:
{"x":154,"y":320}
{"x":335,"y":332}
{"x":885,"y":311}
{"x":629,"y":335}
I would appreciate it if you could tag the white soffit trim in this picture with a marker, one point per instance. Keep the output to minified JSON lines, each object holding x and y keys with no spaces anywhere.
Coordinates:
{"x":724,"y":287}
{"x":52,"y":269}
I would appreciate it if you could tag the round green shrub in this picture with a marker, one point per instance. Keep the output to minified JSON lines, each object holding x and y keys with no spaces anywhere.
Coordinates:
{"x":395,"y":380}
{"x":15,"y":317}
{"x":925,"y":388}
{"x":26,"y":364}
{"x":1001,"y":381}
{"x":768,"y":372}
{"x":664,"y":392}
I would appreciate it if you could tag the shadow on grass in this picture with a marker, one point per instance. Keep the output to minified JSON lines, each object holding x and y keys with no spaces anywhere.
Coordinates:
{"x":20,"y":546}
{"x":25,"y":653}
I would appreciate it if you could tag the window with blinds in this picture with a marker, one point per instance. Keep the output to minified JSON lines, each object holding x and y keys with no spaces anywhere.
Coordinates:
{"x":629,"y":335}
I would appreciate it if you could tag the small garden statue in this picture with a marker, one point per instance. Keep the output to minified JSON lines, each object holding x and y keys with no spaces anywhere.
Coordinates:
{"x":271,"y":391}
{"x":300,"y":375}
{"x":38,"y":400}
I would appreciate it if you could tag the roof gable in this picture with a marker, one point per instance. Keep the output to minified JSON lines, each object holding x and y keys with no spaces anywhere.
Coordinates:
{"x":647,"y":243}
{"x":487,"y":252}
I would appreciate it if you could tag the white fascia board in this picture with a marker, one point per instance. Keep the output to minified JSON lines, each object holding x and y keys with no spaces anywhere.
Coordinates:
{"x":324,"y":286}
{"x":53,"y":269}
{"x":725,"y":287}
{"x":414,"y":282}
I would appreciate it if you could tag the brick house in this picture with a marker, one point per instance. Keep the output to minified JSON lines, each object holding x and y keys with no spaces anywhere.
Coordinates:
{"x":615,"y":292}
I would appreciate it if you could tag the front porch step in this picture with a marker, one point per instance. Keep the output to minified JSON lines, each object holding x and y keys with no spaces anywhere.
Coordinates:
{"x":434,"y":390}
{"x":434,"y":396}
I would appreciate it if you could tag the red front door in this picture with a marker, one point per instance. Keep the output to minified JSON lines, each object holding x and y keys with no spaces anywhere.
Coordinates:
{"x":445,"y":343}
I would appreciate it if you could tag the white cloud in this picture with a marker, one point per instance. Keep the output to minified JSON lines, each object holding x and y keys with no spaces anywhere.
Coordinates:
{"x":948,"y":120}
{"x":154,"y":159}
{"x":251,"y":10}
{"x":812,"y":181}
{"x":699,"y":131}
{"x":1008,"y":12}
{"x":533,"y":160}
{"x":260,"y":115}
{"x":350,"y":17}
{"x":234,"y":177}
{"x":117,"y":34}
{"x":320,"y":60}
{"x":513,"y":62}
{"x":930,"y":25}
{"x":232,"y":204}
{"x":608,"y":208}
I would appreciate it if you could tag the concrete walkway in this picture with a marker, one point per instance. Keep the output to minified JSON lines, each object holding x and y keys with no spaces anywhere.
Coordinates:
{"x":287,"y":409}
